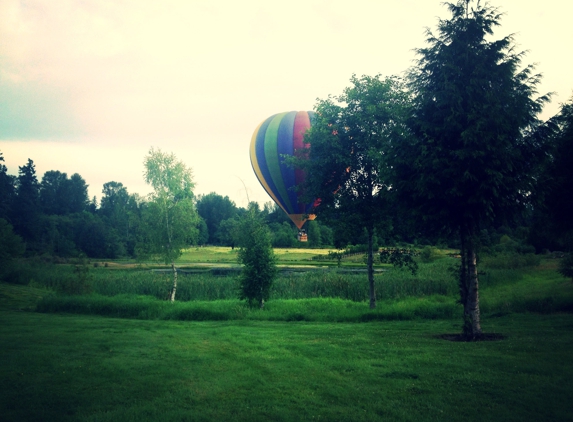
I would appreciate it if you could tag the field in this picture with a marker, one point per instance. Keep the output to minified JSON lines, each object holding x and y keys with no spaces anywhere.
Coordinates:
{"x":305,"y":358}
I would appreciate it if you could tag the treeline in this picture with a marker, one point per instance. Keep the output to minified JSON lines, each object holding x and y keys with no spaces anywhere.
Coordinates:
{"x":53,"y":216}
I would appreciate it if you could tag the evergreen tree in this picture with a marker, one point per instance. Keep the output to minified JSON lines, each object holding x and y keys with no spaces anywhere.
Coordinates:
{"x":7,"y":190}
{"x":471,"y":160}
{"x":26,"y":210}
{"x":77,"y":189}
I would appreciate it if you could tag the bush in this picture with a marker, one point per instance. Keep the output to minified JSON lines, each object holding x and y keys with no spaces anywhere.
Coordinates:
{"x":566,"y":266}
{"x":258,"y":259}
{"x":511,"y":261}
{"x":428,"y":254}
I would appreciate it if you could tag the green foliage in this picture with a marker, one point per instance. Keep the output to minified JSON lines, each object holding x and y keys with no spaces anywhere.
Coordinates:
{"x":26,"y":209}
{"x":473,"y":159}
{"x":170,"y":218}
{"x":79,"y":283}
{"x":257,"y":257}
{"x":7,"y":189}
{"x":60,"y":195}
{"x":11,"y":247}
{"x":399,"y":258}
{"x":428,"y":254}
{"x":566,"y":266}
{"x":552,"y":225}
{"x":283,"y":235}
{"x":226,"y":230}
{"x":352,"y":139}
{"x":474,"y":107}
{"x":214,"y":209}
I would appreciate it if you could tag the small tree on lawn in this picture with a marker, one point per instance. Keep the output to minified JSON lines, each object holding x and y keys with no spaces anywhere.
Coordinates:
{"x":257,"y":256}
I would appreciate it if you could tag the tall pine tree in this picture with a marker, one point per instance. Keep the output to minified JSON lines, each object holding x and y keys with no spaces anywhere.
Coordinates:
{"x":471,"y":160}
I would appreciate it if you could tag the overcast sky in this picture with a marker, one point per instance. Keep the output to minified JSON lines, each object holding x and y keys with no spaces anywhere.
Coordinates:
{"x":88,"y":86}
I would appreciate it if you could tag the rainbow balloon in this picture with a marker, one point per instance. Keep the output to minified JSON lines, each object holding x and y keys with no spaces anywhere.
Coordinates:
{"x":278,"y":136}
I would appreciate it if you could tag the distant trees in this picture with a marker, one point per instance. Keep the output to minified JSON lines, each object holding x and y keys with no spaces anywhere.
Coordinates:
{"x":7,"y":189}
{"x":66,"y":223}
{"x":553,"y":225}
{"x":60,"y":195}
{"x":11,"y":247}
{"x":215,"y":209}
{"x":470,"y":162}
{"x":26,"y":207}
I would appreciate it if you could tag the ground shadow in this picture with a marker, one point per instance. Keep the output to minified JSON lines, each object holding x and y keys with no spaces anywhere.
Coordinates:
{"x":461,"y":337}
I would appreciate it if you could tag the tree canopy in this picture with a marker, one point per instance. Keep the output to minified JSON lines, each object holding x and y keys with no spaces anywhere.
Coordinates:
{"x":351,"y":144}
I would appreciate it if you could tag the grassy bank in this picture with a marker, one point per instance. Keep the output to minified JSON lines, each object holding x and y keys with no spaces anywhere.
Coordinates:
{"x":314,"y":295}
{"x":87,"y":368}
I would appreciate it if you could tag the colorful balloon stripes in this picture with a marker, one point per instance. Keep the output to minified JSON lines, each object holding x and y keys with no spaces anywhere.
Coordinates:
{"x":276,"y":137}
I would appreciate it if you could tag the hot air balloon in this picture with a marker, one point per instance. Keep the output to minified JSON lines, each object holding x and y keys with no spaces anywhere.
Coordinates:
{"x":278,"y":136}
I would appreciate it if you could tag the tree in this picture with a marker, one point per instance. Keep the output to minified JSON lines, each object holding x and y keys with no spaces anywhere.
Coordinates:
{"x":351,"y":142}
{"x":226,"y":230}
{"x":170,"y":219}
{"x":11,"y":246}
{"x":214,"y":208}
{"x":26,"y":211}
{"x":114,"y":208}
{"x":257,"y":256}
{"x":553,"y":226}
{"x":78,"y":199}
{"x":553,"y":214}
{"x":471,"y":161}
{"x":53,"y":192}
{"x":60,"y":195}
{"x":7,"y":189}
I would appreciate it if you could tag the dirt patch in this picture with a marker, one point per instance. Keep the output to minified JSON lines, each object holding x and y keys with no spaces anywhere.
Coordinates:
{"x":461,"y":337}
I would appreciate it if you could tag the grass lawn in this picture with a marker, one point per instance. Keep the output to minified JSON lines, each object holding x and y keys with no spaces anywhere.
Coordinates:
{"x":91,"y":368}
{"x":224,"y":256}
{"x":265,"y":365}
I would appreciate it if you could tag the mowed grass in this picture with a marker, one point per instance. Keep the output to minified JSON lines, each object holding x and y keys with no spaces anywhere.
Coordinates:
{"x":88,"y":368}
{"x":311,"y":358}
{"x":222,"y":255}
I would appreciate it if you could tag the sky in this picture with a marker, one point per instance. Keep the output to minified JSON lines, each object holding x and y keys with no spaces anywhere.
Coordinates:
{"x":89,"y":86}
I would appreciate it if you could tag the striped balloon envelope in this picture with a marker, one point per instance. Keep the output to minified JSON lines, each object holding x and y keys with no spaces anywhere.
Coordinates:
{"x":276,"y":137}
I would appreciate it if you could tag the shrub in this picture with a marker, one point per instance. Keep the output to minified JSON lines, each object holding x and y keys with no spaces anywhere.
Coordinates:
{"x":566,"y":266}
{"x":258,"y":259}
{"x":428,"y":254}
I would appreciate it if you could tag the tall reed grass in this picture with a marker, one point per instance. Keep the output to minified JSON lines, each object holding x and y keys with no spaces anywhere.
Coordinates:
{"x":320,"y":309}
{"x":432,"y":279}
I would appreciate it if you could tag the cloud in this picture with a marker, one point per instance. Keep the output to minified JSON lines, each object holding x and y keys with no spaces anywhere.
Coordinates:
{"x":110,"y":78}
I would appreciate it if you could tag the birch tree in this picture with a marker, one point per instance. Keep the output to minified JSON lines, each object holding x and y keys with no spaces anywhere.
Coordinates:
{"x":170,"y":219}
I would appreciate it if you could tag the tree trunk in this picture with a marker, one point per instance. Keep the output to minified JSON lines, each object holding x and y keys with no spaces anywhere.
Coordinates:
{"x":371,"y":269}
{"x":174,"y":289}
{"x":469,"y":286}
